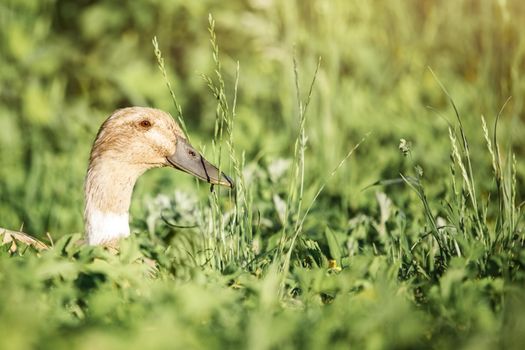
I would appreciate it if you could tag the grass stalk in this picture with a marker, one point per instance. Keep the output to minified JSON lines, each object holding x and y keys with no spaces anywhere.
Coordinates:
{"x":238,"y":233}
{"x":178,"y":108}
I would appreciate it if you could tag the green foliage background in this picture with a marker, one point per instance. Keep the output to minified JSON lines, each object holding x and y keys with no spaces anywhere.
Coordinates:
{"x":66,"y":65}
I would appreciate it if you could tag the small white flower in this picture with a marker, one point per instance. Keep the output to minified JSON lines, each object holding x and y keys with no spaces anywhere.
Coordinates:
{"x":278,"y":167}
{"x":404,"y":147}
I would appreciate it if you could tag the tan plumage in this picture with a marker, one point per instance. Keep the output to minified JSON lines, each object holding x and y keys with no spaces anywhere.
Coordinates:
{"x":131,"y":141}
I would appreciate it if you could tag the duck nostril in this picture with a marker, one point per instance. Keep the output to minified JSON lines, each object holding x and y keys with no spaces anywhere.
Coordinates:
{"x":191,"y":153}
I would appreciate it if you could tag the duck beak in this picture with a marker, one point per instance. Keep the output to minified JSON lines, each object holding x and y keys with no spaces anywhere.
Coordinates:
{"x":187,"y":159}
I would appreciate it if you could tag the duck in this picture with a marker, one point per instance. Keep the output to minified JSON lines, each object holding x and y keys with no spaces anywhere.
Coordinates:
{"x":131,"y":141}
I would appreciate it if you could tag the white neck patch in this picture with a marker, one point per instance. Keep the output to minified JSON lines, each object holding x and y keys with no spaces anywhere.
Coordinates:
{"x":102,"y":227}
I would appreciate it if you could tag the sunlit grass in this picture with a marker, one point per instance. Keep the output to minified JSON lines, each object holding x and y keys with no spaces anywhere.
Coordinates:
{"x":332,"y":237}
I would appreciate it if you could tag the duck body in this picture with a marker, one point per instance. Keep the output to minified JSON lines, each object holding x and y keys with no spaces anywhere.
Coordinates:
{"x":130,"y":142}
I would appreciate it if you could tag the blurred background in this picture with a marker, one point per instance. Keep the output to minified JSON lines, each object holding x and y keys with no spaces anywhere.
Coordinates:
{"x":66,"y":65}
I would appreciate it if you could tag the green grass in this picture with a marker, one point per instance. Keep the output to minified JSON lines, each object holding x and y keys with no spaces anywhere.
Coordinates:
{"x":376,"y":156}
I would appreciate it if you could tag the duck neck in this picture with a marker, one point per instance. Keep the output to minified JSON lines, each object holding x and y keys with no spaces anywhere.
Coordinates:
{"x":108,"y":189}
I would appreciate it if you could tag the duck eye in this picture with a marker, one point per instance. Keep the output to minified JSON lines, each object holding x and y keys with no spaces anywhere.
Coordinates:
{"x":145,"y":123}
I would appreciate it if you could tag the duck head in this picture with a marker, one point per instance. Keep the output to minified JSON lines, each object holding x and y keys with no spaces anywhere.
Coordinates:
{"x":131,"y":141}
